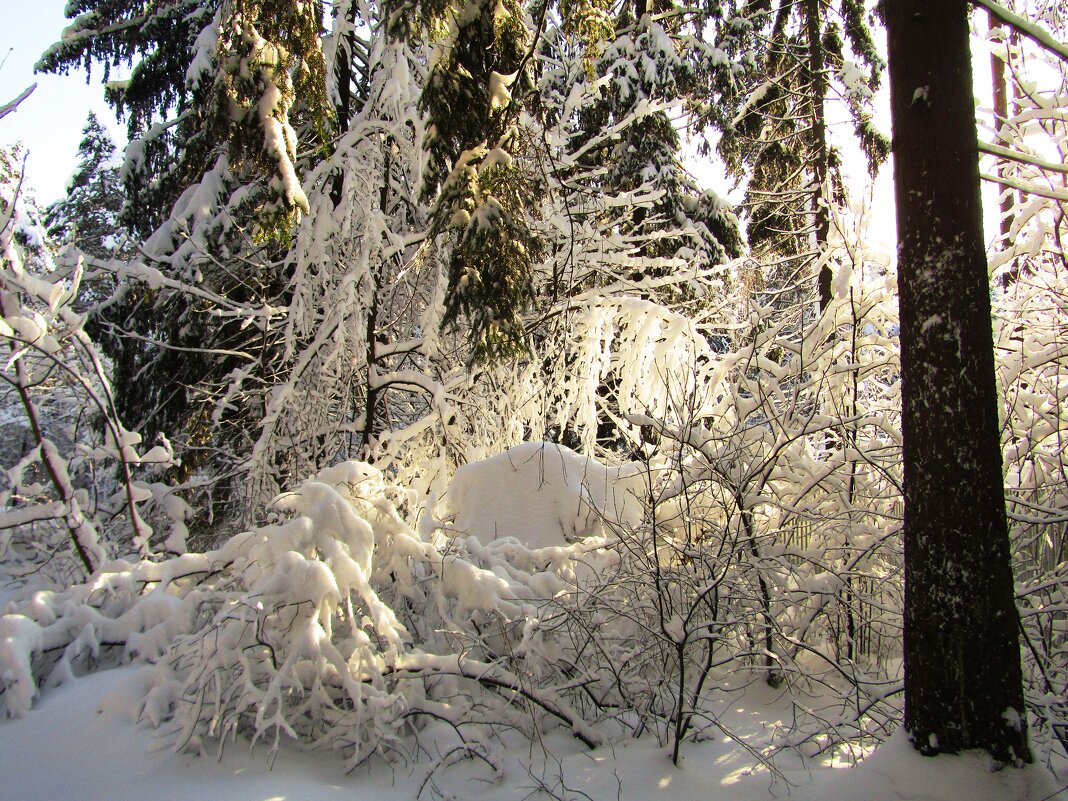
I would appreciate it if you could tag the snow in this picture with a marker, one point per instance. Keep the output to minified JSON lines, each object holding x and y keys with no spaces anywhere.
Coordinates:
{"x":83,"y":741}
{"x":106,"y":756}
{"x":279,"y":139}
{"x":855,"y":81}
{"x":544,"y":495}
{"x":499,"y":89}
{"x":202,"y":65}
{"x":754,"y":98}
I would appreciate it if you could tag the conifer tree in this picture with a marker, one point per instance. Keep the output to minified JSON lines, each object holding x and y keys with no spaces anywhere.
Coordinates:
{"x":88,"y":217}
{"x":244,"y":329}
{"x":209,"y":81}
{"x":495,"y":99}
{"x":651,"y":64}
{"x":158,"y":41}
{"x":772,"y":118}
{"x":226,"y":105}
{"x":482,"y":201}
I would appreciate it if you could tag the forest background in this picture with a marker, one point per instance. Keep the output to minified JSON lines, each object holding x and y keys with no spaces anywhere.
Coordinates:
{"x":349,"y":250}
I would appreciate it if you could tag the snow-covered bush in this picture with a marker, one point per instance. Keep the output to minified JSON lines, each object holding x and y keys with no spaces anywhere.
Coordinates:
{"x":338,"y":627}
{"x":545,"y":494}
{"x":769,"y":540}
{"x":758,"y":534}
{"x":355,"y":612}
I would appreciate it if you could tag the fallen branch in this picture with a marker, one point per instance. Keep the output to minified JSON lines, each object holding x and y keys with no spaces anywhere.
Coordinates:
{"x":496,"y":676}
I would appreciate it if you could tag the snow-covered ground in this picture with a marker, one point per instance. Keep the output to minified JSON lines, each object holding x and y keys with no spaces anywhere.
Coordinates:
{"x":82,"y":741}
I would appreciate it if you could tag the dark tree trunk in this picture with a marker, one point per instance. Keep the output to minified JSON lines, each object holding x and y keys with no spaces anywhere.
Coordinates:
{"x":820,"y":167}
{"x":962,"y":659}
{"x":343,"y":109}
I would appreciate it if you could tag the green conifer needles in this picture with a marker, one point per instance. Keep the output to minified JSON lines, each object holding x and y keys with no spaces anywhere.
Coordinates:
{"x":472,"y":100}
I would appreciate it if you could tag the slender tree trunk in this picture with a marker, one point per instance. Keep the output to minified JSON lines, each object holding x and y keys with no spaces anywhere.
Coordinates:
{"x":1000,"y":92}
{"x":343,"y":109}
{"x":372,"y":333}
{"x":820,"y":168}
{"x":962,"y":660}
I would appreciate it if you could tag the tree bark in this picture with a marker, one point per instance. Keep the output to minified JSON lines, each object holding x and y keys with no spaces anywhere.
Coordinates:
{"x":820,"y":168}
{"x":962,"y":661}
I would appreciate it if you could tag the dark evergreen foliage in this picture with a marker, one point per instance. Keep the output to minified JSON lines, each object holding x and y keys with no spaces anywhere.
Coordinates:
{"x":89,"y":218}
{"x":772,"y":120}
{"x":483,"y":207}
{"x":230,"y":107}
{"x":164,"y":114}
{"x":647,"y":64}
{"x":226,"y":104}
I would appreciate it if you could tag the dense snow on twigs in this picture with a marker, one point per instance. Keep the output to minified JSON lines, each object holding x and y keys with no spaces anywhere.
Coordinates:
{"x":294,"y":636}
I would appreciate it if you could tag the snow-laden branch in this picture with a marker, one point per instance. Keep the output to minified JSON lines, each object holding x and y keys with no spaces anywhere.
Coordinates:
{"x":301,"y":629}
{"x":494,"y":675}
{"x":1025,"y":27}
{"x":1022,"y":158}
{"x":7,"y":108}
{"x":1060,"y":195}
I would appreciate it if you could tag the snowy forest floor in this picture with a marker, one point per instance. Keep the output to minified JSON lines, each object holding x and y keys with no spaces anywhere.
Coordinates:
{"x":82,"y":740}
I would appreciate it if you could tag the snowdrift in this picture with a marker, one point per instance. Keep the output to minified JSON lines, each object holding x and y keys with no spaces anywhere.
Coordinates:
{"x":545,"y":495}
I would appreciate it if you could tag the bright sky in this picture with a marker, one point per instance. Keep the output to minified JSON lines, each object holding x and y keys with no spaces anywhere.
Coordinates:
{"x":50,"y":121}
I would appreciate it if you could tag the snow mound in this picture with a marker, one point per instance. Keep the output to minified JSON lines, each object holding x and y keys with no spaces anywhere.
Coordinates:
{"x":545,"y":495}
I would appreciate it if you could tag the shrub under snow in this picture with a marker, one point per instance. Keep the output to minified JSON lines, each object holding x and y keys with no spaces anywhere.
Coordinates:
{"x":339,"y":626}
